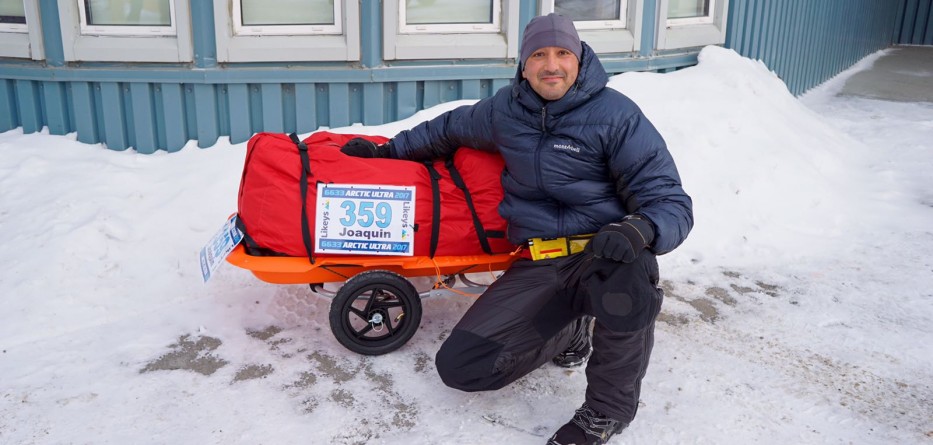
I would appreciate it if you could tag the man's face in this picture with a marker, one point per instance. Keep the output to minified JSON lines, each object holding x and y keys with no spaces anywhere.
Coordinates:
{"x":551,"y":71}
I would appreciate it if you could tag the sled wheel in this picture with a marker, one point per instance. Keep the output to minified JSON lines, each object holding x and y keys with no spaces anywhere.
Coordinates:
{"x":375,"y":312}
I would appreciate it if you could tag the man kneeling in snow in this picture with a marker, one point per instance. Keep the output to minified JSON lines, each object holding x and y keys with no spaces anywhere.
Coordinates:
{"x":581,"y":163}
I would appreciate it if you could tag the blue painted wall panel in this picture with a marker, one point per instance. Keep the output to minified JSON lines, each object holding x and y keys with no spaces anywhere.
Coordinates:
{"x":500,"y":83}
{"x":915,"y":22}
{"x":173,"y":104}
{"x":305,"y":110}
{"x":920,"y":28}
{"x":202,"y":35}
{"x":9,"y":111}
{"x":56,"y":107}
{"x":390,"y":101}
{"x":158,"y":116}
{"x":84,"y":112}
{"x":322,"y":105}
{"x":144,"y":125}
{"x":288,"y":108}
{"x":373,"y":98}
{"x":432,"y":90}
{"x":113,"y":115}
{"x":758,"y":22}
{"x":223,"y":107}
{"x":471,"y":89}
{"x":206,"y":108}
{"x":736,"y":9}
{"x":354,"y":103}
{"x":407,"y":98}
{"x":272,"y":116}
{"x":255,"y":108}
{"x":807,"y":42}
{"x":338,"y":99}
{"x":30,"y":114}
{"x":162,"y":107}
{"x":191,"y":116}
{"x":128,"y":117}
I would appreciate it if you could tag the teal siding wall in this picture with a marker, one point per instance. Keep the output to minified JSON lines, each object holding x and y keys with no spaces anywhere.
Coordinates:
{"x":915,"y":23}
{"x":163,"y":106}
{"x":153,"y":107}
{"x":807,"y":42}
{"x":154,"y":115}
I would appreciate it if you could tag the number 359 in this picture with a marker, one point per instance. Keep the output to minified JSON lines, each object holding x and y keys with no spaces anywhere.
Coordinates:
{"x":366,"y":213}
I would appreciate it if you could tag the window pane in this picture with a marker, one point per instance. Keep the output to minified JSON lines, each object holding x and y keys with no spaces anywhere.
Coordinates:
{"x":128,"y":12}
{"x":287,"y":12}
{"x":584,"y":10}
{"x":423,"y":12}
{"x":12,"y":11}
{"x":681,"y":9}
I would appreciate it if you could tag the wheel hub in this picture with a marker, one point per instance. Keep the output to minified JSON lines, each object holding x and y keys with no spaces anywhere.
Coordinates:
{"x":377,"y":319}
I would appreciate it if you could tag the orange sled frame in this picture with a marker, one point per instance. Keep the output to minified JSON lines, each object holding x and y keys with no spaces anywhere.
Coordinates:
{"x":377,"y":310}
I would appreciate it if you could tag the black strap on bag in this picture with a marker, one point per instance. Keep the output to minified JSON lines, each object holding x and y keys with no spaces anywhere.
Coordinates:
{"x":249,"y":244}
{"x":477,"y":223}
{"x":303,"y":186}
{"x":436,"y":205}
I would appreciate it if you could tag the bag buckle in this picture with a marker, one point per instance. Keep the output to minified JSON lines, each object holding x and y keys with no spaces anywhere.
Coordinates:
{"x":547,"y":248}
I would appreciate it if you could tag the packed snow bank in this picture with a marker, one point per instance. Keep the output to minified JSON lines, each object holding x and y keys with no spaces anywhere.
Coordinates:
{"x":771,"y":181}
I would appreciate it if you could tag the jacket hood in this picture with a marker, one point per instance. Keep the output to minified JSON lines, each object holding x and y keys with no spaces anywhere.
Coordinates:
{"x":591,"y":79}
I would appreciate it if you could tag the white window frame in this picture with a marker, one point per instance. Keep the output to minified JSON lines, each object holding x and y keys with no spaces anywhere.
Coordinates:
{"x":124,"y":30}
{"x":465,"y":28}
{"x":451,"y":41}
{"x":14,"y":27}
{"x":24,"y":41}
{"x":123,"y":47}
{"x":547,"y":6}
{"x":281,"y":45}
{"x":687,"y":33}
{"x":239,"y":29}
{"x":699,"y":20}
{"x":612,"y":36}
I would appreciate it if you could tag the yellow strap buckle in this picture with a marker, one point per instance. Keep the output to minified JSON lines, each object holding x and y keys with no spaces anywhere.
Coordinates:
{"x":545,"y":248}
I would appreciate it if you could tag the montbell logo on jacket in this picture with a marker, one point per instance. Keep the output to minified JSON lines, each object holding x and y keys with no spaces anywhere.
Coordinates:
{"x":567,"y":147}
{"x":556,"y":181}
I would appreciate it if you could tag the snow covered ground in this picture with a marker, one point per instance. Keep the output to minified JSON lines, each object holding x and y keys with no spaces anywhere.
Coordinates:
{"x":799,"y":311}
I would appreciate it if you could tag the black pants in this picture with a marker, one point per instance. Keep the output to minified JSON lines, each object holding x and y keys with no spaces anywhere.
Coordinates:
{"x":525,"y":318}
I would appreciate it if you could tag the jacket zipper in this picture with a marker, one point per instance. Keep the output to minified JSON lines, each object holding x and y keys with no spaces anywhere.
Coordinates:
{"x":544,"y":138}
{"x":543,"y":116}
{"x":540,"y":144}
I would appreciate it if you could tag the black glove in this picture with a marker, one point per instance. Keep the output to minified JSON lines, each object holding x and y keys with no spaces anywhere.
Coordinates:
{"x":364,"y":148}
{"x":623,"y":241}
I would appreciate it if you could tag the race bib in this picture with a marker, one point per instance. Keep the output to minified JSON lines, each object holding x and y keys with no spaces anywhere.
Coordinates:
{"x":365,"y":219}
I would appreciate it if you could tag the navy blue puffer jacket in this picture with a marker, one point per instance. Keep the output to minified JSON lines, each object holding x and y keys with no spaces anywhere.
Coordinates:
{"x":572,"y":165}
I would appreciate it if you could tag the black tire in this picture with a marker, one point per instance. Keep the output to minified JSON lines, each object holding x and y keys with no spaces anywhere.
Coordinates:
{"x":375,"y":312}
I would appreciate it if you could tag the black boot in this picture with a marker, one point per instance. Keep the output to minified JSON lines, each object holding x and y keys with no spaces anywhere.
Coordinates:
{"x":580,"y":347}
{"x":587,"y":427}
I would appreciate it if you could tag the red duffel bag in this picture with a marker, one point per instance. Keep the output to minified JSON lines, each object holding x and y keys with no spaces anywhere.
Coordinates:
{"x":456,"y":200}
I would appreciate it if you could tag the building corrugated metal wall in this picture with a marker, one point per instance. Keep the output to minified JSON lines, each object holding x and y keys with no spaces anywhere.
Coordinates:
{"x":162,"y":107}
{"x":807,"y":42}
{"x":915,"y":23}
{"x":154,"y":115}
